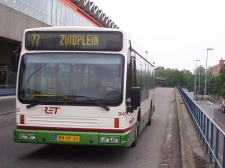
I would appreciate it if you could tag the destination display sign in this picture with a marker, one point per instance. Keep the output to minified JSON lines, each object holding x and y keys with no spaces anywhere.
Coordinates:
{"x":78,"y":41}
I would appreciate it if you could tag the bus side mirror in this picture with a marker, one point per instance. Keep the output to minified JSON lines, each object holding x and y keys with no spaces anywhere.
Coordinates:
{"x":15,"y":58}
{"x":135,"y":97}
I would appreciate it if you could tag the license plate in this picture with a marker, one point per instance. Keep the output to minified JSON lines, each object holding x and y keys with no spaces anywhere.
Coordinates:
{"x":67,"y":138}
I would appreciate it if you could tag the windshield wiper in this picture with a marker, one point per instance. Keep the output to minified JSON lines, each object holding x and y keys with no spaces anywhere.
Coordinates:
{"x":57,"y":98}
{"x":75,"y":96}
{"x":40,"y":103}
{"x":89,"y":98}
{"x":29,"y":77}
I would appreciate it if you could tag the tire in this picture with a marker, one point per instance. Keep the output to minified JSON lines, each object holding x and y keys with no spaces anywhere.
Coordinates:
{"x":136,"y":134}
{"x":149,"y":118}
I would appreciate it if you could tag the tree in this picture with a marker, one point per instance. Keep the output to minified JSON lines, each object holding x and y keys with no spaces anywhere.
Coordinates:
{"x":185,"y":79}
{"x":214,"y":84}
{"x":221,"y":83}
{"x":160,"y":71}
{"x":175,"y":77}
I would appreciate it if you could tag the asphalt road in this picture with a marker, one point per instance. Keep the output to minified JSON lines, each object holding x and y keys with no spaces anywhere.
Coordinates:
{"x":147,"y":154}
{"x":219,"y":117}
{"x":7,"y":104}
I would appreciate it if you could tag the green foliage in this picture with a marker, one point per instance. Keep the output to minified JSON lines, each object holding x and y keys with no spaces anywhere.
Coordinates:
{"x":218,"y":84}
{"x":186,"y":79}
{"x":175,"y":77}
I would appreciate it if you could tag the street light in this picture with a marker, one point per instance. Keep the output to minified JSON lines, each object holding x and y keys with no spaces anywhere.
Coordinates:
{"x":195,"y":88}
{"x":199,"y":81}
{"x":206,"y":71}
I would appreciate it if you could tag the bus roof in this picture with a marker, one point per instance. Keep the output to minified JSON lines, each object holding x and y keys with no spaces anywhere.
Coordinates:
{"x":72,"y":28}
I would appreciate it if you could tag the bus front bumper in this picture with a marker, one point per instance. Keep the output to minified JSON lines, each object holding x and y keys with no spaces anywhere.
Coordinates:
{"x":73,"y":137}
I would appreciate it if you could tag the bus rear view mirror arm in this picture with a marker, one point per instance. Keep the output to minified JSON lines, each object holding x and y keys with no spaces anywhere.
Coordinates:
{"x":15,"y":58}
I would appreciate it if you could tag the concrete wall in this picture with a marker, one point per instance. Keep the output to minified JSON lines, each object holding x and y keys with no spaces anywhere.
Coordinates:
{"x":13,"y":23}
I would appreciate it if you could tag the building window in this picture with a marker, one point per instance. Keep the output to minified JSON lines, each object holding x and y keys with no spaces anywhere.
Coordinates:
{"x":59,"y":12}
{"x":24,"y":6}
{"x":51,"y":12}
{"x":54,"y":12}
{"x":8,"y":2}
{"x":44,"y":10}
{"x":37,"y":9}
{"x":31,"y":8}
{"x":63,"y":15}
{"x":16,"y":4}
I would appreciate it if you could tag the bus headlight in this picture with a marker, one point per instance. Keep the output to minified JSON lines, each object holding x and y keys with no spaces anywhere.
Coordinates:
{"x":104,"y":139}
{"x":22,"y":136}
{"x":31,"y":136}
{"x":27,"y":136}
{"x":114,"y":140}
{"x":110,"y":139}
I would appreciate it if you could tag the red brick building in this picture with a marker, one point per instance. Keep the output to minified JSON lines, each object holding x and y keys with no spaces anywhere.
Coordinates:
{"x":216,"y":68}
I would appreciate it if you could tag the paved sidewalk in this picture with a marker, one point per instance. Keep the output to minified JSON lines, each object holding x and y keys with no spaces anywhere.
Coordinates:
{"x":172,"y":147}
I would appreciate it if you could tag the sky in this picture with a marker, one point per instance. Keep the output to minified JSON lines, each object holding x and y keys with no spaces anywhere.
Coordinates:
{"x":175,"y":33}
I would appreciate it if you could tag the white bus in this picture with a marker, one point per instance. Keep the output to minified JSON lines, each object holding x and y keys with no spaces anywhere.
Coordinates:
{"x":82,"y":86}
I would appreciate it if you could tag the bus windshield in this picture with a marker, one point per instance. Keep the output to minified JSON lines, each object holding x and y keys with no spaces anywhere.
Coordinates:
{"x":71,"y":78}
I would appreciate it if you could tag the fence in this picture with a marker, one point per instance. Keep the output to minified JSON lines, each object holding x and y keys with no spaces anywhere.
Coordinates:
{"x":6,"y":90}
{"x":211,"y":136}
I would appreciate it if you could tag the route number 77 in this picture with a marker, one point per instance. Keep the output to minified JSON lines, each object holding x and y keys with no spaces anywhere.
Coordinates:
{"x":36,"y":38}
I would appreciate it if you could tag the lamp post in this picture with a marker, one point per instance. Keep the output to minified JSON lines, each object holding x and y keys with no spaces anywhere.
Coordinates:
{"x":195,"y":88}
{"x":199,"y":81}
{"x":206,"y":71}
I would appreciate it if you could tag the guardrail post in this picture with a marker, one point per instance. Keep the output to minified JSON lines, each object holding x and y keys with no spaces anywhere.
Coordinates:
{"x":217,"y":148}
{"x":204,"y":130}
{"x":211,"y":142}
{"x":200,"y":125}
{"x":223,"y":152}
{"x":207,"y":135}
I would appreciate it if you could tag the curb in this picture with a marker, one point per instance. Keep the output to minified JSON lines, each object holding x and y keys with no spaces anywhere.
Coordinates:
{"x":7,"y":97}
{"x":191,"y":151}
{"x":167,"y":148}
{"x":7,"y":112}
{"x":186,"y":151}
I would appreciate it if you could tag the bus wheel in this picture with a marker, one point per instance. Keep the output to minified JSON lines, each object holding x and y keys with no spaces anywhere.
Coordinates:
{"x":136,"y":134}
{"x":149,"y":118}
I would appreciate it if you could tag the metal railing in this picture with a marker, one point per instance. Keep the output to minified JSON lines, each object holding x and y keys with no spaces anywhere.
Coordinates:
{"x":210,"y":134}
{"x":7,"y":90}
